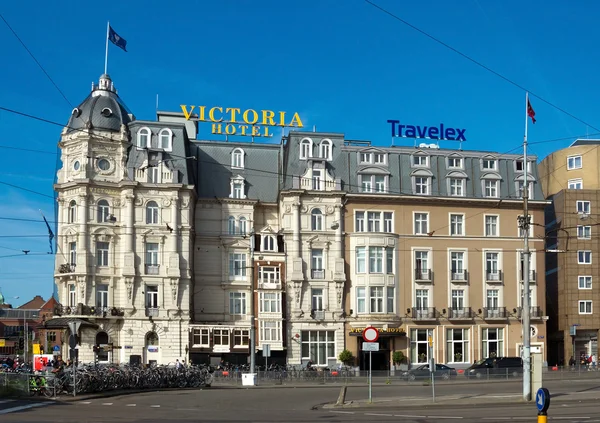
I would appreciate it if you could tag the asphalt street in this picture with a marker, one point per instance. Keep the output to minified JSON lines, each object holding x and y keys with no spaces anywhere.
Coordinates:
{"x":280,"y":404}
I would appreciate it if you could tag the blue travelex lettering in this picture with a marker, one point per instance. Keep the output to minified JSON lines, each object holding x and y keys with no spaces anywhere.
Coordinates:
{"x":432,"y":132}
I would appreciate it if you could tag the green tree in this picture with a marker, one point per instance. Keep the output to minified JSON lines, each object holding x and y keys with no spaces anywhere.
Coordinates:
{"x":398,"y":357}
{"x":346,"y":357}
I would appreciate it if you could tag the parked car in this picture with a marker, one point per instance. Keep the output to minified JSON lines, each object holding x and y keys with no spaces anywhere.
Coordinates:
{"x":422,"y":372}
{"x":495,"y":367}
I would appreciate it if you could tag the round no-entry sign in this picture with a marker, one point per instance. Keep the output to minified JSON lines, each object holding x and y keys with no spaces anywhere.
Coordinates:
{"x":370,"y":334}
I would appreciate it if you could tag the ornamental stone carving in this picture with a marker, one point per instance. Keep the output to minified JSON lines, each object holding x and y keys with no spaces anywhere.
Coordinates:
{"x":329,"y":209}
{"x":129,"y":287}
{"x":166,"y":202}
{"x":288,"y":208}
{"x":139,"y":200}
{"x":117,"y":202}
{"x":304,"y":209}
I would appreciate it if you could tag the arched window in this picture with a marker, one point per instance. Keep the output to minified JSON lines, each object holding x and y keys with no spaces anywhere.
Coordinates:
{"x":317,"y":220}
{"x":231,"y":225}
{"x":143,"y":138}
{"x":151,"y":338}
{"x":243,"y":225}
{"x":269,"y":243}
{"x":306,"y":146}
{"x":103,"y":211}
{"x":237,"y":158}
{"x":72,"y":211}
{"x":102,"y":340}
{"x":165,"y":139}
{"x":325,"y":149}
{"x":152,"y":212}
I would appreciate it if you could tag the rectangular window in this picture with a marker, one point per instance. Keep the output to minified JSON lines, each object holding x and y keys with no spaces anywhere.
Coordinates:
{"x":422,"y":185}
{"x":388,"y":222}
{"x":457,"y":350}
{"x":317,"y":299}
{"x":365,"y":158}
{"x":221,"y":337}
{"x":317,"y":264}
{"x":455,"y":162}
{"x":102,"y":254}
{"x":316,"y":180}
{"x":389,"y":260}
{"x":375,"y":259}
{"x":390,"y":290}
{"x":361,"y":259}
{"x":421,"y":223}
{"x":583,"y":207}
{"x":457,"y":265}
{"x":584,"y":257}
{"x":270,"y":331}
{"x":237,"y":303}
{"x":457,"y":187}
{"x":201,"y":337}
{"x":490,"y":188}
{"x":376,"y":299}
{"x":72,"y":296}
{"x":521,"y":187}
{"x":102,"y":296}
{"x":151,"y":296}
{"x":419,"y":345}
{"x":361,"y":300}
{"x":269,"y":275}
{"x":456,"y":224}
{"x":488,"y":164}
{"x":422,"y":299}
{"x":152,"y":258}
{"x":380,"y":185}
{"x":73,"y":253}
{"x":237,"y":264}
{"x":492,"y":342}
{"x":585,"y":307}
{"x":585,"y":282}
{"x":359,"y":221}
{"x":420,"y":161}
{"x":270,"y":302}
{"x":374,"y":221}
{"x":318,"y":346}
{"x":575,"y":184}
{"x":584,"y":232}
{"x":492,"y":268}
{"x":379,"y":158}
{"x":458,"y":299}
{"x":422,"y":263}
{"x":237,"y":190}
{"x":574,"y":162}
{"x":241,"y":338}
{"x":492,"y":299}
{"x":366,"y":183}
{"x":491,"y":225}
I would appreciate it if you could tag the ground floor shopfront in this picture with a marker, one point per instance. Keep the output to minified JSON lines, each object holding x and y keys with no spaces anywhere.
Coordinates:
{"x":390,"y":339}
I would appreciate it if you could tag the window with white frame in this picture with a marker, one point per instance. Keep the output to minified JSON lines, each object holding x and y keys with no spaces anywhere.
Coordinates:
{"x":316,"y":180}
{"x":269,"y":302}
{"x":143,"y":138}
{"x":151,"y":296}
{"x":152,"y":254}
{"x":531,"y":298}
{"x":72,"y":295}
{"x":373,"y":183}
{"x":490,"y":187}
{"x":519,"y":165}
{"x":306,"y":149}
{"x":575,"y":184}
{"x":318,"y":346}
{"x":422,"y":184}
{"x":241,"y":338}
{"x":574,"y":162}
{"x":391,"y":299}
{"x":102,"y":295}
{"x":237,"y":303}
{"x":585,"y":307}
{"x":237,"y":265}
{"x":154,"y":174}
{"x":521,"y":187}
{"x":270,"y":331}
{"x":365,"y":158}
{"x":376,"y":299}
{"x":103,"y":211}
{"x":457,"y":187}
{"x":457,"y":227}
{"x":73,"y":253}
{"x":316,"y":220}
{"x":376,"y":262}
{"x":583,"y":207}
{"x":375,"y":221}
{"x":584,"y":282}
{"x":325,"y":149}
{"x":422,"y":263}
{"x":73,"y":212}
{"x":165,"y":139}
{"x":421,"y":223}
{"x":237,"y":159}
{"x":221,"y":337}
{"x":419,"y":345}
{"x":231,"y":225}
{"x":361,"y":259}
{"x":420,"y":161}
{"x":457,"y":264}
{"x":489,"y":164}
{"x":584,"y":257}
{"x":491,"y":225}
{"x":359,"y":221}
{"x":269,"y":275}
{"x":389,"y":260}
{"x":317,"y":299}
{"x":152,"y":213}
{"x":361,"y":299}
{"x":457,"y":346}
{"x":200,"y":337}
{"x":375,"y":259}
{"x":492,"y":266}
{"x":455,"y":162}
{"x":237,"y":188}
{"x":458,"y":299}
{"x":379,"y":158}
{"x":584,"y":232}
{"x":422,"y":299}
{"x":102,"y":254}
{"x":492,"y":342}
{"x":388,"y":224}
{"x":317,"y":263}
{"x":492,"y":299}
{"x":268,"y":243}
{"x":242,"y":225}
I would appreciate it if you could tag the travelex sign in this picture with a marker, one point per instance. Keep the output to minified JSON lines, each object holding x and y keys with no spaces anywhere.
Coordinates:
{"x":235,"y":121}
{"x":432,"y":132}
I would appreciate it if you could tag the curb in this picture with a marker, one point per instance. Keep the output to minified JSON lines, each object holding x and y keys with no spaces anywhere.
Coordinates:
{"x":109,"y":394}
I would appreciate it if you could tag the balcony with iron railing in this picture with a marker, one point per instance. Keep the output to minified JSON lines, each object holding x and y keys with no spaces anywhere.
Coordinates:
{"x":152,"y":269}
{"x":458,"y":276}
{"x":423,"y":275}
{"x":152,"y":311}
{"x":494,"y":313}
{"x":317,"y":273}
{"x":423,"y":313}
{"x":85,"y":310}
{"x":66,"y":268}
{"x":493,"y":276}
{"x":531,"y":275}
{"x":318,"y":314}
{"x":535,"y":313}
{"x":464,"y":313}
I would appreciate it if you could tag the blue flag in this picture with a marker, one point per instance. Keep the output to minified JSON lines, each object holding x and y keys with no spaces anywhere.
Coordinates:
{"x":116,"y":39}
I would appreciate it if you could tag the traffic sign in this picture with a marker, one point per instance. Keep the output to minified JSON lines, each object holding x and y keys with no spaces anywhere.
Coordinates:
{"x":430,"y":341}
{"x":370,"y":334}
{"x":542,"y":400}
{"x":2,"y":342}
{"x":370,"y":346}
{"x":56,"y":348}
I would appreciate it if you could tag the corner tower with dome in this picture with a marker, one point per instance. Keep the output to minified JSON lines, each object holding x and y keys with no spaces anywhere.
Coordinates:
{"x":125,"y":215}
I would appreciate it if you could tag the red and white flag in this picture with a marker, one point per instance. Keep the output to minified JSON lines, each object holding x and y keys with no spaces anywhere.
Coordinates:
{"x":530,"y":111}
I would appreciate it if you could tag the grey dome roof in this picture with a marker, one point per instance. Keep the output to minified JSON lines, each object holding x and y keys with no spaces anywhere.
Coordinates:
{"x":101,"y":110}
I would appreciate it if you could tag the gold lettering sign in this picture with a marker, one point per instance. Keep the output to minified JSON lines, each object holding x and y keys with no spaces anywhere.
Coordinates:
{"x":234,"y":121}
{"x":105,"y":191}
{"x":399,"y":331}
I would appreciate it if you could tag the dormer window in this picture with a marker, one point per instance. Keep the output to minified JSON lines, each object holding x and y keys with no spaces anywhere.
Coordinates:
{"x":379,"y":158}
{"x":365,"y":158}
{"x":269,"y":243}
{"x":306,"y":146}
{"x":165,"y":139}
{"x":420,"y":160}
{"x":143,"y":138}
{"x":519,"y":165}
{"x":489,"y":164}
{"x":325,"y":149}
{"x":237,"y":159}
{"x":455,"y":162}
{"x":237,"y":186}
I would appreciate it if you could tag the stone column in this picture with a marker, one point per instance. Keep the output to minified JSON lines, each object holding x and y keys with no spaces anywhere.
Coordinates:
{"x":338,"y":232}
{"x":174,"y":224}
{"x":82,"y":238}
{"x":296,"y":251}
{"x":129,"y":222}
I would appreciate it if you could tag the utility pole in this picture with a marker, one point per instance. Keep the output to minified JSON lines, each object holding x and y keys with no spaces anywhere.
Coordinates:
{"x":525,"y":224}
{"x":252,"y":310}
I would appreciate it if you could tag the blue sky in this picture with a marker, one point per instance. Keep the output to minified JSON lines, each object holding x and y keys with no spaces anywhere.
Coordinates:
{"x":344,"y":65}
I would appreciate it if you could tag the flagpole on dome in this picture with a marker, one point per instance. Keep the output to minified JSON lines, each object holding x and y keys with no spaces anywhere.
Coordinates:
{"x":106,"y":51}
